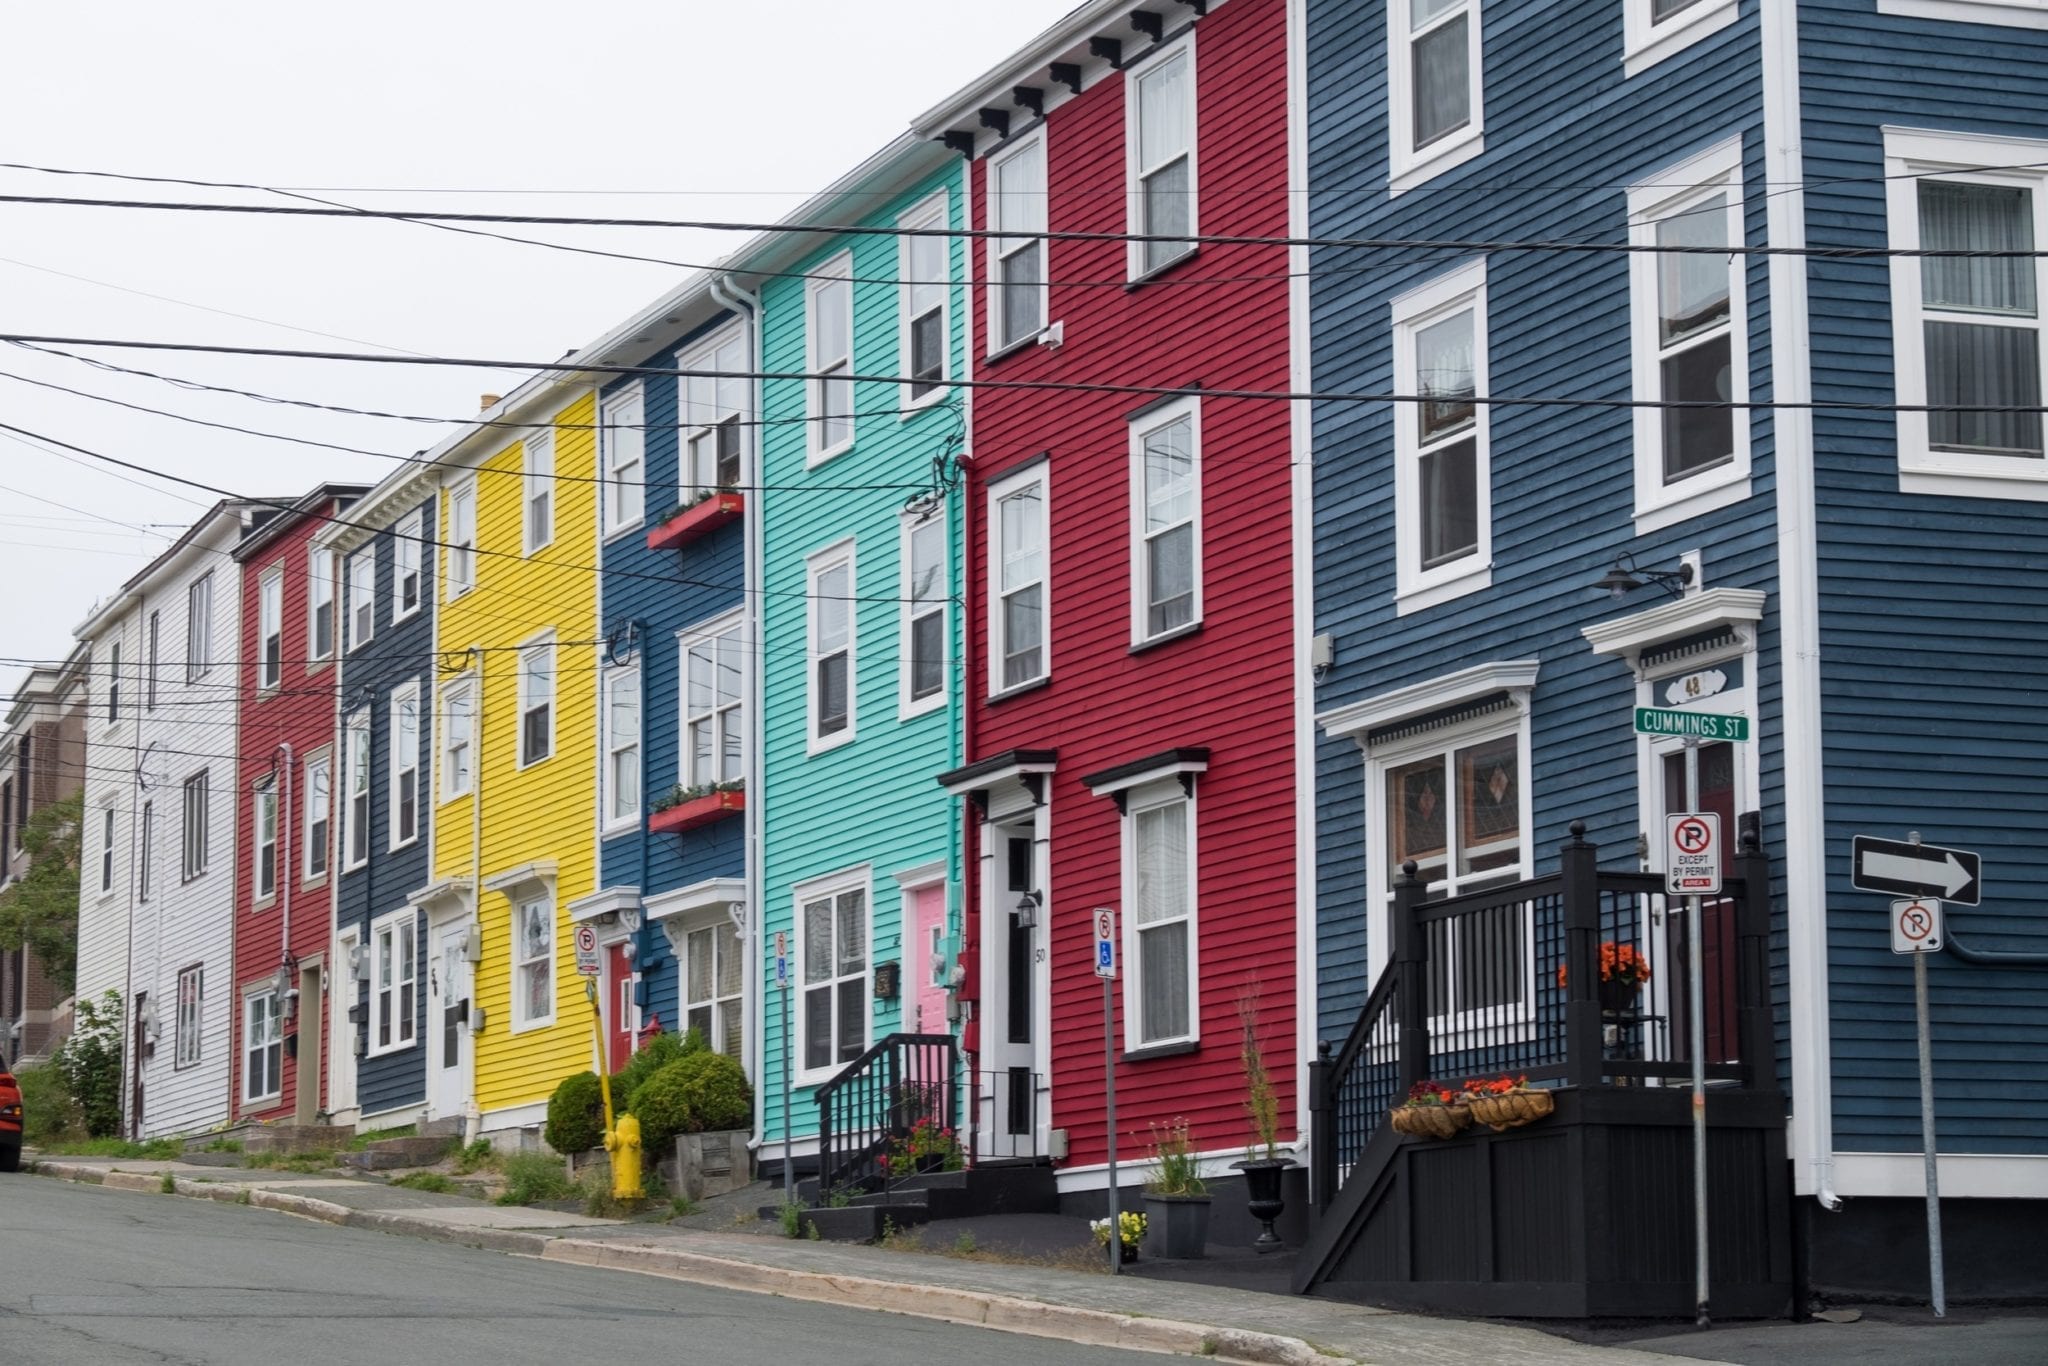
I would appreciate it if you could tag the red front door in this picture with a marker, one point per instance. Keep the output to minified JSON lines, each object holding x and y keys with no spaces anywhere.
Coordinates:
{"x":618,"y":980}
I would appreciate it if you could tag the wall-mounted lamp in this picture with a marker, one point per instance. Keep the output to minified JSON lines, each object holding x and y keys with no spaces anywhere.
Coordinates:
{"x":1027,"y":910}
{"x":473,"y":945}
{"x":359,"y":961}
{"x":1625,"y":577}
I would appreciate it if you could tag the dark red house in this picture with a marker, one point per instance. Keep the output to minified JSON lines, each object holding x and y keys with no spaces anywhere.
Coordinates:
{"x":284,"y":811}
{"x":1134,"y":700}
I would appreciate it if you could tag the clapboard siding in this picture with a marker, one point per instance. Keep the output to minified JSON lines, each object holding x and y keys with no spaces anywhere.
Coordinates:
{"x":1933,"y":643}
{"x":105,"y":918}
{"x":1218,"y":321}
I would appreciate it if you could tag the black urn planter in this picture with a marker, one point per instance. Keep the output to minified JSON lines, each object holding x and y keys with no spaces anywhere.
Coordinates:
{"x":1262,"y":1177}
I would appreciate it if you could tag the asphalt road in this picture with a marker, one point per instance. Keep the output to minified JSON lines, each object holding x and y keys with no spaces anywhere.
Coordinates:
{"x":90,"y":1277}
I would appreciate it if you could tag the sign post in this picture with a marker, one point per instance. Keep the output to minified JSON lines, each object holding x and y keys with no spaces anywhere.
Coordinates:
{"x":1105,"y":968}
{"x":782,"y":1009}
{"x":1916,"y":930}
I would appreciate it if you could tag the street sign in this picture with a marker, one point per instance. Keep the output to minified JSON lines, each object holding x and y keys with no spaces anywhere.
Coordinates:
{"x":1697,"y":725}
{"x":1692,"y":853}
{"x":781,"y":960}
{"x":1916,"y":925}
{"x":587,"y":963}
{"x":1917,"y":870}
{"x":1105,"y":943}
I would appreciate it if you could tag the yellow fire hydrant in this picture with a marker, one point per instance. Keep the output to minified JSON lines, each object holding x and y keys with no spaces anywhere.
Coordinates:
{"x":623,"y":1143}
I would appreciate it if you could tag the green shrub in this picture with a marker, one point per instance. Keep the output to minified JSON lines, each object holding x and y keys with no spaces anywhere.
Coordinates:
{"x":576,"y":1115}
{"x":49,"y":1114}
{"x":659,"y":1052}
{"x":533,"y":1177}
{"x":90,"y":1061}
{"x":703,"y":1091}
{"x":431,"y":1182}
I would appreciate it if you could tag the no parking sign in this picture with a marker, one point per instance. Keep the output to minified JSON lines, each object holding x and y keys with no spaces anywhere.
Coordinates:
{"x":1692,"y":853}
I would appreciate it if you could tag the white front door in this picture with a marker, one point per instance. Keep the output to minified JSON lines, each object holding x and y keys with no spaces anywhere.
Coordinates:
{"x":342,"y":994}
{"x":448,"y":1048}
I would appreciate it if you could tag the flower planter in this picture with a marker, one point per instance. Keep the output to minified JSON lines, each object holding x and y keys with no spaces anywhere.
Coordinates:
{"x":1430,"y":1121}
{"x":1177,"y":1226}
{"x":715,"y":1163}
{"x":1511,"y":1109}
{"x":699,"y":519}
{"x":1262,"y":1190}
{"x":712,"y":806}
{"x":1618,"y":994}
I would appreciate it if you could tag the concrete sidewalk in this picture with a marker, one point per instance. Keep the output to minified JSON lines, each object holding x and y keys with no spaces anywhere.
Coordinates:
{"x":1073,"y":1306}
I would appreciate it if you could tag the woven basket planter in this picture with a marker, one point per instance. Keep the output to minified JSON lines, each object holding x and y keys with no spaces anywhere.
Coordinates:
{"x":1430,"y":1121}
{"x":1511,"y":1109}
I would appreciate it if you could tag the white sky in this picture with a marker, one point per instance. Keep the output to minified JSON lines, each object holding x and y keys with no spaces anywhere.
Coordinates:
{"x":702,"y":108}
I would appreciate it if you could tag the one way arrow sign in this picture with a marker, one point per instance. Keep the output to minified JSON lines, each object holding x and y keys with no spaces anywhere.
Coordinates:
{"x":1919,"y":870}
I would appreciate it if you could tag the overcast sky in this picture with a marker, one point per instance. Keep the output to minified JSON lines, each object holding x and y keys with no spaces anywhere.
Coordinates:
{"x":670,"y":108}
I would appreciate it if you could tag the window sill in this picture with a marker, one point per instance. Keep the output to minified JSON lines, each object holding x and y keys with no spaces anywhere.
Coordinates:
{"x":397,"y":845}
{"x":1177,"y":1048}
{"x":263,"y":903}
{"x":389,"y":1049}
{"x":913,"y":406}
{"x":454,"y":797}
{"x":536,"y":549}
{"x":1677,"y":34}
{"x":1711,"y":491}
{"x":1433,"y":163}
{"x":623,"y":530}
{"x":1967,"y":12}
{"x":261,"y":1102}
{"x":320,"y":665}
{"x":618,"y":828}
{"x":313,"y":884}
{"x":813,"y":459}
{"x":1193,"y":628}
{"x":399,"y":618}
{"x":910,"y":710}
{"x":2029,"y":486}
{"x":1021,"y":344}
{"x":528,"y":1027}
{"x":1444,"y":590}
{"x":1138,"y":282}
{"x":526,"y":764}
{"x":1019,"y":689}
{"x":813,"y":746}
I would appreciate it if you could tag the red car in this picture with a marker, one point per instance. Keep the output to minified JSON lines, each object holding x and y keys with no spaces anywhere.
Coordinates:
{"x":10,"y":1120}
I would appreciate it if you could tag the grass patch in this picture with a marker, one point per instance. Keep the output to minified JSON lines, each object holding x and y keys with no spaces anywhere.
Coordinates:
{"x":168,"y":1184}
{"x":289,"y":1162}
{"x":792,"y":1217}
{"x":681,"y":1206}
{"x":432,"y":1182}
{"x":244,"y":1198}
{"x":478,"y":1156}
{"x":901,"y":1239}
{"x":363,"y":1140}
{"x":533,"y":1177}
{"x":223,"y":1145}
{"x":155,"y":1150}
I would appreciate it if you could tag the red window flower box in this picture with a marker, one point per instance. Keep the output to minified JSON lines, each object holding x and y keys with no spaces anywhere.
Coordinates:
{"x":698,"y":519}
{"x":712,"y":806}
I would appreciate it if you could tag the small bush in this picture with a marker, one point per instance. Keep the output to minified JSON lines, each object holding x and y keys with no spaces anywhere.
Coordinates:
{"x":475,"y":1157}
{"x":659,"y":1052}
{"x":49,"y":1113}
{"x":792,"y":1219}
{"x":168,"y":1184}
{"x":704,"y":1091}
{"x":433,"y":1182}
{"x":576,"y":1114}
{"x":533,"y":1177}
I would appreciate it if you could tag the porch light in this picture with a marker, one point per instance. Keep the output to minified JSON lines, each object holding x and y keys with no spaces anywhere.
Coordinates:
{"x":1625,"y":577}
{"x":1027,"y":911}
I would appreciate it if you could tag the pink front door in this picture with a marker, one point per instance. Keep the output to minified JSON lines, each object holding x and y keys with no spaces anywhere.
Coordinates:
{"x":618,"y":983}
{"x":928,"y":961}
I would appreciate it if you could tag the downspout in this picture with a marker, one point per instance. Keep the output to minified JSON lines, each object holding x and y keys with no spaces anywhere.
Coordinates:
{"x":131,"y":1090}
{"x":1798,"y":609}
{"x":281,"y":871}
{"x":473,"y":1114}
{"x":1302,"y":566}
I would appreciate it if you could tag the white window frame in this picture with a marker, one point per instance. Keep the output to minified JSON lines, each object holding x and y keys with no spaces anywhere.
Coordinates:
{"x":913,"y":610}
{"x":270,"y":629}
{"x":1157,"y":796}
{"x":107,"y":849}
{"x":1135,"y":172}
{"x":358,"y":758}
{"x":155,"y":630}
{"x":1029,"y":219}
{"x":1444,"y":297}
{"x":1188,"y":410}
{"x":702,"y":420}
{"x":460,"y":691}
{"x":195,"y":823}
{"x":188,"y":1042}
{"x":819,"y":889}
{"x":839,"y":555}
{"x":320,"y":592}
{"x":362,"y":596}
{"x":822,"y":355}
{"x":616,"y":819}
{"x":461,"y":576}
{"x":537,"y":510}
{"x":408,"y":559}
{"x":400,"y":770}
{"x":264,"y":819}
{"x":1647,"y":40}
{"x":2008,"y":13}
{"x":198,"y":627}
{"x":531,"y":646}
{"x":1407,"y":164}
{"x":934,"y":211}
{"x":1677,"y":190}
{"x":723,"y":716}
{"x":144,"y":855}
{"x":624,"y":495}
{"x":722,"y":932}
{"x":268,"y":1044}
{"x":1912,"y":155}
{"x":387,"y":932}
{"x":521,"y":1021}
{"x":1039,"y":473}
{"x":320,"y":761}
{"x":114,"y":684}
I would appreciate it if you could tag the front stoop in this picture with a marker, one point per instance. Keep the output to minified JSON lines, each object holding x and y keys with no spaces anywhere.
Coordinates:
{"x":1022,"y":1189}
{"x":389,"y":1154}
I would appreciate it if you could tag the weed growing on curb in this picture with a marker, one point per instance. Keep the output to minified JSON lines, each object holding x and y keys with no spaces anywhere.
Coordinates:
{"x":432,"y":1182}
{"x":681,"y":1206}
{"x":532,"y":1177}
{"x":964,"y":1245}
{"x":168,"y":1184}
{"x":792,"y":1220}
{"x":244,"y":1199}
{"x":811,"y":1231}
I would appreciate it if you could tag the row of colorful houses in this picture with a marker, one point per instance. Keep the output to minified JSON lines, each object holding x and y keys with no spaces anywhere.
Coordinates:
{"x":1091,"y":501}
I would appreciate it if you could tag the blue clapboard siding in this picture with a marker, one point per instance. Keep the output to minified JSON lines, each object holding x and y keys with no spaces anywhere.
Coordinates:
{"x":1934,"y":637}
{"x":394,"y":656}
{"x":1566,"y":132}
{"x":663,"y":593}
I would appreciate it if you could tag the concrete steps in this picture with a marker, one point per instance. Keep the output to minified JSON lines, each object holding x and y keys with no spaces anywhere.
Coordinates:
{"x":390,"y":1154}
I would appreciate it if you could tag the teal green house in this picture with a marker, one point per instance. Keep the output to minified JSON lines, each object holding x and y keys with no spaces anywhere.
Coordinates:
{"x":861,"y":543}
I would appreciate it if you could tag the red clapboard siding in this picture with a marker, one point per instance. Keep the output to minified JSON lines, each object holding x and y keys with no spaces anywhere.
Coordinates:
{"x":299,"y":713}
{"x":1227,"y":687}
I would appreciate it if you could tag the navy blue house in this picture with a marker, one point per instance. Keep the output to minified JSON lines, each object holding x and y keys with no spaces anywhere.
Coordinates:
{"x":1706,"y":484}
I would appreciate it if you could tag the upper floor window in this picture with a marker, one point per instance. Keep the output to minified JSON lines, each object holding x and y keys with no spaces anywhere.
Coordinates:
{"x":145,"y":853}
{"x":191,"y":995}
{"x":923,"y":627}
{"x":1655,"y":29}
{"x":1434,"y":87}
{"x":829,"y":581}
{"x":114,"y":683}
{"x":405,"y":566}
{"x":714,"y":414}
{"x":621,"y":747}
{"x":462,"y":539}
{"x":319,"y":813}
{"x":712,"y":708}
{"x":355,"y":817}
{"x":405,"y":765}
{"x":1442,"y":527}
{"x":1018,"y":593}
{"x":263,"y":860}
{"x":923,"y":299}
{"x":537,"y":700}
{"x":197,"y":815}
{"x":458,"y":738}
{"x":1166,"y":520}
{"x":362,"y":596}
{"x":539,"y":454}
{"x":394,"y":985}
{"x":198,"y":627}
{"x":155,"y":648}
{"x":1018,"y":286}
{"x":320,"y":602}
{"x":1159,"y":140}
{"x":270,"y":628}
{"x":828,"y":331}
{"x":622,"y":429}
{"x":107,"y":848}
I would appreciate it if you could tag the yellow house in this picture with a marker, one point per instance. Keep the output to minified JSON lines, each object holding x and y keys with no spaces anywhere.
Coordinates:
{"x":515,"y":752}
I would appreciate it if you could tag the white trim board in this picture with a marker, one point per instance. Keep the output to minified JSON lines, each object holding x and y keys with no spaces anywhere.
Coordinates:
{"x":1434,"y":694}
{"x":1964,"y":1176}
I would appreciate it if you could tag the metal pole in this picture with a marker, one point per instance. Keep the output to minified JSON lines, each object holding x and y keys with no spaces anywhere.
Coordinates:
{"x":1936,"y":1280}
{"x":788,"y":1172}
{"x":1116,"y":1233}
{"x":1696,"y":982}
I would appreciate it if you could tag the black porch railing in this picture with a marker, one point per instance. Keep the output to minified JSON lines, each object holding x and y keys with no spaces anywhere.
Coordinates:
{"x":1508,"y":981}
{"x":1008,"y":1115}
{"x":869,"y":1110}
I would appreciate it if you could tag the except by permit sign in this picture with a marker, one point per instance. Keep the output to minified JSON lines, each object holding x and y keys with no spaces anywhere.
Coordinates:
{"x":1692,"y":853}
{"x":1695,"y":725}
{"x":586,"y":951}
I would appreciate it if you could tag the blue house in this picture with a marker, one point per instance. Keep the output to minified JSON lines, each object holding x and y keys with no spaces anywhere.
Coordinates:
{"x":1620,"y":199}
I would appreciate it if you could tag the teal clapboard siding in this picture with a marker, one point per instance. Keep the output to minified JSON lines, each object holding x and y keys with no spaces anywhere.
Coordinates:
{"x":869,"y":804}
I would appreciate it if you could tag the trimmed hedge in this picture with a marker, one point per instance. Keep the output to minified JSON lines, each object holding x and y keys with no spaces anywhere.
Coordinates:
{"x":576,"y":1115}
{"x":658,"y":1052}
{"x":701,"y":1092}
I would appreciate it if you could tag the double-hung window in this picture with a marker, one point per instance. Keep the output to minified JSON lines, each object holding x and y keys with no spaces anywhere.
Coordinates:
{"x":1443,"y":534}
{"x":270,"y":629}
{"x":714,"y":414}
{"x":362,"y":596}
{"x":828,"y":333}
{"x":155,"y":656}
{"x":319,"y":815}
{"x":394,"y":981}
{"x":198,"y":627}
{"x":712,"y":729}
{"x":922,"y":679}
{"x":355,"y":817}
{"x":829,"y":582}
{"x":114,"y":683}
{"x":196,"y":817}
{"x":458,"y":738}
{"x":263,"y":859}
{"x":1159,"y":142}
{"x":1166,"y":520}
{"x":405,"y":566}
{"x":320,"y":603}
{"x":621,"y":747}
{"x":533,"y":962}
{"x":622,"y":429}
{"x":714,"y":983}
{"x":1655,"y":29}
{"x":1159,"y":872}
{"x":1690,"y":337}
{"x":1966,"y":328}
{"x":922,"y":263}
{"x":833,"y":924}
{"x":1018,"y":284}
{"x":405,"y":765}
{"x":1018,"y":592}
{"x":191,"y":999}
{"x":1435,"y":97}
{"x":144,"y":855}
{"x":262,"y":1047}
{"x":538,"y":450}
{"x":107,"y":848}
{"x":537,"y":699}
{"x":461,"y":538}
